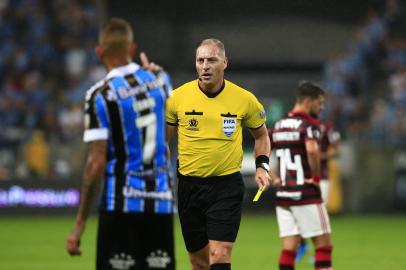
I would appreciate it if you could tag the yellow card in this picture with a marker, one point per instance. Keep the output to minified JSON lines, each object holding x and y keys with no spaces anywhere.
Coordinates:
{"x":259,"y":192}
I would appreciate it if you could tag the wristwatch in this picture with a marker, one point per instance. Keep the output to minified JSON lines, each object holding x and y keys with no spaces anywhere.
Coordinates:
{"x":264,"y":166}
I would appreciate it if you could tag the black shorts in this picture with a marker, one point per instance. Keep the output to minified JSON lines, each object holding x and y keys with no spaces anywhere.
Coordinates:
{"x":209,"y":209}
{"x":135,"y":241}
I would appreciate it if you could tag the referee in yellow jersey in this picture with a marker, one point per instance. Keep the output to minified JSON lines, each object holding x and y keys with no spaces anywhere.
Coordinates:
{"x":209,"y":114}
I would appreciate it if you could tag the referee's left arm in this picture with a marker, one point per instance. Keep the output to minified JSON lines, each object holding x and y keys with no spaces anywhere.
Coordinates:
{"x":262,"y":148}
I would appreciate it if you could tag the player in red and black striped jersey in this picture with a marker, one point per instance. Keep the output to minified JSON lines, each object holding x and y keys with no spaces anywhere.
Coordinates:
{"x":300,"y":209}
{"x":290,"y":137}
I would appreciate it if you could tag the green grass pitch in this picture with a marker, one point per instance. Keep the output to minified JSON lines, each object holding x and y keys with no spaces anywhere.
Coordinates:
{"x":360,"y":243}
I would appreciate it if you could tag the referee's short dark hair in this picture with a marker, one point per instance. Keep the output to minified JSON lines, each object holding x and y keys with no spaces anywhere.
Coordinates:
{"x":308,"y":89}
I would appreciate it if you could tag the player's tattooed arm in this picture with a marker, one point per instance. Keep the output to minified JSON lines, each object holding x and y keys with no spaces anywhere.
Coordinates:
{"x":92,"y":178}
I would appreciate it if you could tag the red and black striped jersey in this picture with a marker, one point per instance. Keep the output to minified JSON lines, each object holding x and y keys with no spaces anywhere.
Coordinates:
{"x":329,"y":136}
{"x":288,"y":139}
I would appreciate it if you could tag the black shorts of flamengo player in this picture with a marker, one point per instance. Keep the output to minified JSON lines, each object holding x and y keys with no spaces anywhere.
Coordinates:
{"x":135,"y":241}
{"x":209,"y":208}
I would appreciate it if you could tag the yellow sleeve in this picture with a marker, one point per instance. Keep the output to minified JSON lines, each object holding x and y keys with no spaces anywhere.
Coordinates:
{"x":171,"y":116}
{"x":256,"y":115}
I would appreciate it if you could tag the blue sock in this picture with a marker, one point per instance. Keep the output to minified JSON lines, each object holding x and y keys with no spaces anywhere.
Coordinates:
{"x":301,"y":250}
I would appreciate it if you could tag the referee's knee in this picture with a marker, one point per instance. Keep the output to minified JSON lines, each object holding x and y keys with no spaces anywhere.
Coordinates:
{"x":199,"y":264}
{"x":200,"y":260}
{"x":220,"y":252}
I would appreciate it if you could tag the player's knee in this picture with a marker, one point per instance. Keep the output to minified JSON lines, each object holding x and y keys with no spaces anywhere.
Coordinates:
{"x":221,"y":253}
{"x":291,"y":242}
{"x":322,"y":241}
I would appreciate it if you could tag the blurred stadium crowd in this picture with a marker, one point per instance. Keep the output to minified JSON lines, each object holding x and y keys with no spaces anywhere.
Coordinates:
{"x":367,"y":80}
{"x":47,"y":62}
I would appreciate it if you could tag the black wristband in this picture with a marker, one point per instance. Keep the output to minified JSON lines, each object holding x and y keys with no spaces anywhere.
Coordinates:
{"x":261,"y":159}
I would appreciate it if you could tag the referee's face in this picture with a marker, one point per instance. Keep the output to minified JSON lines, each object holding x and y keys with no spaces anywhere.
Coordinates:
{"x":210,"y":65}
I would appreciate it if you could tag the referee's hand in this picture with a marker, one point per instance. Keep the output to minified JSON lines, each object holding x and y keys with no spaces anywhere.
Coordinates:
{"x":275,"y":179}
{"x":262,"y":178}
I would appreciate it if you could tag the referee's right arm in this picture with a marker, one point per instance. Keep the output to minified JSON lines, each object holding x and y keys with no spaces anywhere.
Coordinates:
{"x":170,"y":130}
{"x":171,"y":121}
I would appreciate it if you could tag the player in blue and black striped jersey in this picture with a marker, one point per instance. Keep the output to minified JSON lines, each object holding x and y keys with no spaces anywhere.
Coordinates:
{"x":125,"y":131}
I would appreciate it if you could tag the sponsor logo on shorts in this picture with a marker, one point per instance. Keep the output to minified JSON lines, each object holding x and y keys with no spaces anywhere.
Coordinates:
{"x":229,"y":126}
{"x":122,"y":261}
{"x":193,"y":125}
{"x":158,"y":259}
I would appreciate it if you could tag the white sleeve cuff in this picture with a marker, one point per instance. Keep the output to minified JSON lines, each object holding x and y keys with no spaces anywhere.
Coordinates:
{"x":95,"y":134}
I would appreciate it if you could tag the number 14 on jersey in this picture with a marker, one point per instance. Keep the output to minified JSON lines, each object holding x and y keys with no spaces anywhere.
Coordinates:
{"x":287,"y":163}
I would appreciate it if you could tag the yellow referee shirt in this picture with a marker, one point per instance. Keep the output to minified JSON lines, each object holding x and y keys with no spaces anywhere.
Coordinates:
{"x":210,"y":128}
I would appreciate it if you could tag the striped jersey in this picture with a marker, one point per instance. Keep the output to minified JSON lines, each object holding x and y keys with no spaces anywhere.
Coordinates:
{"x":329,"y":136}
{"x":288,"y":139}
{"x":127,"y":108}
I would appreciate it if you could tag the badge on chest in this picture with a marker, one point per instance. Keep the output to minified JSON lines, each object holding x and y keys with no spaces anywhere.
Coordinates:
{"x":229,"y":126}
